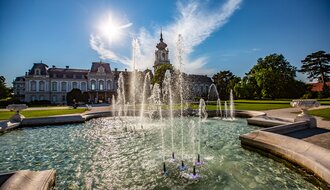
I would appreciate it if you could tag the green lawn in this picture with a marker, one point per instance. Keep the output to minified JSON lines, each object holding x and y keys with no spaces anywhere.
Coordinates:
{"x":41,"y":113}
{"x":324,"y":113}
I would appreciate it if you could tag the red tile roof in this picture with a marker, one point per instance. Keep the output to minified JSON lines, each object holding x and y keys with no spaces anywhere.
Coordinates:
{"x":318,"y":87}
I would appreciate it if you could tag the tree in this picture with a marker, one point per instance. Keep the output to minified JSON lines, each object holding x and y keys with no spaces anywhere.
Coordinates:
{"x":317,"y":66}
{"x":160,"y":73}
{"x":247,"y":88}
{"x":75,"y":96}
{"x":272,"y":77}
{"x":224,"y":81}
{"x":4,"y":91}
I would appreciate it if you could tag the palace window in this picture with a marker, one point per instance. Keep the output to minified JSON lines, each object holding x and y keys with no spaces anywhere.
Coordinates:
{"x":83,"y":86}
{"x":93,"y":84}
{"x":33,"y":85}
{"x":37,"y":71}
{"x":101,"y":85}
{"x":54,"y":86}
{"x":74,"y":85}
{"x":63,"y":85}
{"x":41,"y":86}
{"x":109,"y":84}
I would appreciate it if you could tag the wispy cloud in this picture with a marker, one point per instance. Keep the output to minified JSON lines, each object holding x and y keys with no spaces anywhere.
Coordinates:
{"x":98,"y":44}
{"x":195,"y":22}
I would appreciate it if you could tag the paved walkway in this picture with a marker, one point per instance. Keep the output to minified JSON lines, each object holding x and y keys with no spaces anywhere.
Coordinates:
{"x":319,"y":136}
{"x":291,"y":113}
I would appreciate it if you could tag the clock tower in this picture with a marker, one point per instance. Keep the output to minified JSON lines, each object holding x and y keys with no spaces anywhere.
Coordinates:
{"x":161,"y":54}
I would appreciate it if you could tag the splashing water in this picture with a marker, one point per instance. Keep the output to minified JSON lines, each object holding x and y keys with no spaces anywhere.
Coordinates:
{"x":180,"y":52}
{"x":231,"y":106}
{"x":113,"y":101}
{"x":219,"y":111}
{"x":226,"y":110}
{"x":146,"y":85}
{"x":168,"y":94}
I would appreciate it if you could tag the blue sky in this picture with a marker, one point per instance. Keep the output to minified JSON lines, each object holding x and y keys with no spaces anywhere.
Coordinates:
{"x":217,"y":35}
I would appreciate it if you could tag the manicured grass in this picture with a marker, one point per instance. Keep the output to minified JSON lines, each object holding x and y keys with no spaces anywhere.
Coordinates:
{"x":324,"y":113}
{"x":41,"y":113}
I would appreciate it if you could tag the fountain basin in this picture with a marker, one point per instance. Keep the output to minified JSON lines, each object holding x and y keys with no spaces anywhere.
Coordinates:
{"x":99,"y":154}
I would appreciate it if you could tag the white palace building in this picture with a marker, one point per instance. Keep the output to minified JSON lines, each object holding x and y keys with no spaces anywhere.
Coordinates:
{"x":100,"y":82}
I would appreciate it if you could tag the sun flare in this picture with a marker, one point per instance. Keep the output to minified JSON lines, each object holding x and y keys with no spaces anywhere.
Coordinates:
{"x":112,"y":29}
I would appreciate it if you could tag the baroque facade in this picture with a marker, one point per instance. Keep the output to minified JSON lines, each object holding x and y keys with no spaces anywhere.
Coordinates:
{"x":100,"y":82}
{"x":52,"y":84}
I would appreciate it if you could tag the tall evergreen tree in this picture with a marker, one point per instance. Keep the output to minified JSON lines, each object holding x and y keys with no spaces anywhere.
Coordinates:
{"x":317,"y":66}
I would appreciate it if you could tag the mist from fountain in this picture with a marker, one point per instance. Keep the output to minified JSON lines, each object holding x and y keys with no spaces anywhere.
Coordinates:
{"x":193,"y":175}
{"x":146,"y":84}
{"x":113,"y":101}
{"x":219,"y":110}
{"x":232,"y":106}
{"x":212,"y":89}
{"x":202,"y":115}
{"x":157,"y":102}
{"x":135,"y":52}
{"x":226,"y":110}
{"x":121,"y":99}
{"x":167,"y":94}
{"x":179,"y":56}
{"x":156,"y":99}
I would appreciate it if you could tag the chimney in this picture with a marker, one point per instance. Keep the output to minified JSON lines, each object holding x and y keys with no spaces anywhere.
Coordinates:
{"x":67,"y":67}
{"x":53,"y":66}
{"x":116,"y":69}
{"x":125,"y":70}
{"x":26,"y":73}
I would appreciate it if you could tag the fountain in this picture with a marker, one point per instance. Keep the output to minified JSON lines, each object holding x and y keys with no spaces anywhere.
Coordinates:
{"x":123,"y":160}
{"x":17,"y":117}
{"x":146,"y":84}
{"x":211,"y":92}
{"x":304,"y":105}
{"x":114,"y":107}
{"x":219,"y":111}
{"x":231,"y":105}
{"x":134,"y":82}
{"x":202,"y":115}
{"x":193,"y":175}
{"x":168,"y":95}
{"x":180,"y":52}
{"x":226,"y":110}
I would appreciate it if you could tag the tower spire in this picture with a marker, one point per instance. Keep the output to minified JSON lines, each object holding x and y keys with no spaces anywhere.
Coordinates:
{"x":161,"y":34}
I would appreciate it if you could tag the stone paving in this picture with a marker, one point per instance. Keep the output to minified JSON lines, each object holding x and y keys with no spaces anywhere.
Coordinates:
{"x":319,"y":136}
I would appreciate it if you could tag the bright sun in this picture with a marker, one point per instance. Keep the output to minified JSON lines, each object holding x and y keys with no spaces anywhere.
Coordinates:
{"x":112,"y":29}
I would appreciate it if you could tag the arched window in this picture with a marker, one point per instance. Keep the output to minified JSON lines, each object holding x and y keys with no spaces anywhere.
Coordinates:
{"x":93,"y":84}
{"x":63,"y":85}
{"x":33,"y":85}
{"x":54,"y":86}
{"x":83,"y":86}
{"x":41,"y":86}
{"x":101,"y":85}
{"x":74,"y":85}
{"x":109,"y":84}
